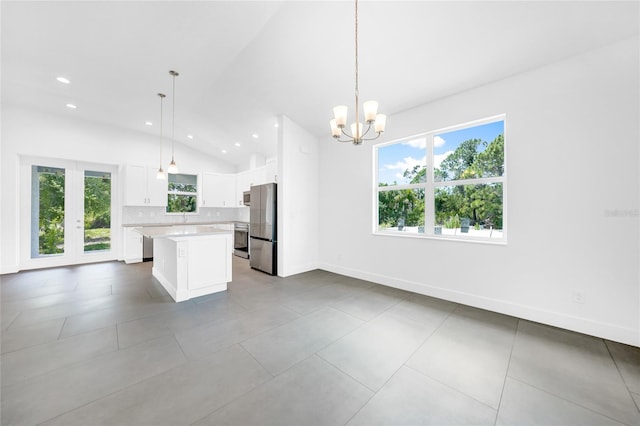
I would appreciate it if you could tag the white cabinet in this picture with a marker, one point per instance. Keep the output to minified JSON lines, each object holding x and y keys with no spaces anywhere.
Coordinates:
{"x":132,"y":245}
{"x":142,"y":188}
{"x":243,"y":182}
{"x":218,"y":190}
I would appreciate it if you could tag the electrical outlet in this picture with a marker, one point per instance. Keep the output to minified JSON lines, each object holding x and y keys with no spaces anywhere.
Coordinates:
{"x":578,"y":297}
{"x":218,"y":214}
{"x":208,"y":213}
{"x":139,"y":214}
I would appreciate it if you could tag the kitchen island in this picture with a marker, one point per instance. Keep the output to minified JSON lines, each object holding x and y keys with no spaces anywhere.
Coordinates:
{"x":190,"y":260}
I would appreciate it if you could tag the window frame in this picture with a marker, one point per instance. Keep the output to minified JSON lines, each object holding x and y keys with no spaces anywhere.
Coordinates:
{"x":184,"y":193}
{"x":430,"y":186}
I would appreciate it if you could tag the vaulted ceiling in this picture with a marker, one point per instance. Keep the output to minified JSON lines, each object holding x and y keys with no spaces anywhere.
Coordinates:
{"x":243,"y":63}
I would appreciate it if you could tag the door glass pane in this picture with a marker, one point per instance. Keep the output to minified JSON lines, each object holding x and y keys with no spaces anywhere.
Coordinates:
{"x":47,"y":211}
{"x":97,"y":211}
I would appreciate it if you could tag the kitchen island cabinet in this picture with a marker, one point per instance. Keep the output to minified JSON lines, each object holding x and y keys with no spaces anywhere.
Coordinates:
{"x":191,"y":261}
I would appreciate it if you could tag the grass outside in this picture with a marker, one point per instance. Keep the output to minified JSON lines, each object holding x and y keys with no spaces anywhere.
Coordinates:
{"x":97,"y":239}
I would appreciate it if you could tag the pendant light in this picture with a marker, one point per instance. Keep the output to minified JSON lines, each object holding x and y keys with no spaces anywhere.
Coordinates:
{"x":173,"y":168}
{"x":160,"y":174}
{"x":371,"y":116}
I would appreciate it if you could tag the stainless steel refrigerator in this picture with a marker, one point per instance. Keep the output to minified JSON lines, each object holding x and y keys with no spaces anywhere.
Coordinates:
{"x":263,"y":233}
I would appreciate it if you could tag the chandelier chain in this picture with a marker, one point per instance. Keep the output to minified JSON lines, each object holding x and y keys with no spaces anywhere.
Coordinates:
{"x":357,"y":91}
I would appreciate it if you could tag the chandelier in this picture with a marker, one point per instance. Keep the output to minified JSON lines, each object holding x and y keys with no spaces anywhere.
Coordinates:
{"x":173,"y":168}
{"x":371,"y":116}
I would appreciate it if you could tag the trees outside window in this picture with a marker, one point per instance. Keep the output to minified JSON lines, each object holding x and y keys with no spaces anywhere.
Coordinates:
{"x":447,"y":183}
{"x":182,"y":195}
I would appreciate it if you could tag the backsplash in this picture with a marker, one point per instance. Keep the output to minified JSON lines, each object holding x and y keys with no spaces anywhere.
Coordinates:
{"x":133,"y":215}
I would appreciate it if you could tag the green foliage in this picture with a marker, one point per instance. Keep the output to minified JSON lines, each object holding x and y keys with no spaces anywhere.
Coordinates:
{"x":51,"y":213}
{"x":97,"y":202}
{"x":405,"y":204}
{"x":452,"y":222}
{"x":177,"y":203}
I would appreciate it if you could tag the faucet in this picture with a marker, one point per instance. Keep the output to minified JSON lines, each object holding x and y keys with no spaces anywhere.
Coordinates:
{"x":184,"y":217}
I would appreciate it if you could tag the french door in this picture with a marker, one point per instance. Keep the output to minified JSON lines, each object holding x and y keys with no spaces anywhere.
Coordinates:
{"x":68,"y":213}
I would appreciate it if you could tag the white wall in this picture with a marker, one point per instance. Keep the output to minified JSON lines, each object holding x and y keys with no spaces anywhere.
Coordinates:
{"x":573,"y":196}
{"x":32,"y":133}
{"x":297,"y":199}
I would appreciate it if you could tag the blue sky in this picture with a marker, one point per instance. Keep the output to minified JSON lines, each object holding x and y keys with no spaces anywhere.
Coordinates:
{"x":394,"y":159}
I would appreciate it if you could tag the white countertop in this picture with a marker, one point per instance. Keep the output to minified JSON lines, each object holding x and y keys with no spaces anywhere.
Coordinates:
{"x":153,"y":224}
{"x":178,"y":231}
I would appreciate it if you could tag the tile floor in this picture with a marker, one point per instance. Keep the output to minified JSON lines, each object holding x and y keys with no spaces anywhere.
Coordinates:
{"x":103,"y":344}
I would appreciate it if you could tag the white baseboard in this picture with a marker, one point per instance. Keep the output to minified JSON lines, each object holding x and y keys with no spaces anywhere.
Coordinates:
{"x":298,"y":269}
{"x":603,"y":330}
{"x":9,"y":269}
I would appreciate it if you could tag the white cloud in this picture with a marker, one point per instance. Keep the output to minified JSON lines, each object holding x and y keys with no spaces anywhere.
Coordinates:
{"x":438,"y":141}
{"x":420,"y":143}
{"x":438,"y":158}
{"x":404,"y":164}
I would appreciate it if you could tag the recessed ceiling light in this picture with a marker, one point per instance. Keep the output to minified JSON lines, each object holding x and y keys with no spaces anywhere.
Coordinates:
{"x":63,"y":80}
{"x":276,"y":125}
{"x":190,"y":136}
{"x":237,"y":144}
{"x":224,"y":151}
{"x":255,"y":136}
{"x":148,"y":123}
{"x":71,"y":106}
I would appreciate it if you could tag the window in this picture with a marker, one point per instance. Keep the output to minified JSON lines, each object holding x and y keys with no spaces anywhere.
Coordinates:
{"x":47,"y":210}
{"x":447,"y":183}
{"x":182,"y":194}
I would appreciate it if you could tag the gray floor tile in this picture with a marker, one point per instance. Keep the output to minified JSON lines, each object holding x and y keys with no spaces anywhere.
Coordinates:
{"x":258,"y":298}
{"x":374,"y":352}
{"x":368,"y":304}
{"x":311,"y":393}
{"x":148,"y":328}
{"x":627,"y":359}
{"x":574,"y":367}
{"x":30,"y":335}
{"x":469,"y":352}
{"x":54,"y":367}
{"x":57,"y":298}
{"x":282,"y":347}
{"x":411,"y":398}
{"x":67,"y":388}
{"x":36,"y":360}
{"x":177,"y":397}
{"x":33,"y":316}
{"x":220,"y":307}
{"x":525,"y":405}
{"x":203,"y":340}
{"x":423,"y":308}
{"x":126,"y":310}
{"x":320,"y":297}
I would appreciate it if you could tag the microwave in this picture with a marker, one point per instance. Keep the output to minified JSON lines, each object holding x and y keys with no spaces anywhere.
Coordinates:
{"x":246,"y":198}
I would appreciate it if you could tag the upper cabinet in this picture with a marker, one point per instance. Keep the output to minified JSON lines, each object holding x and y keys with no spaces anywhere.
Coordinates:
{"x":258,"y":176}
{"x":218,"y":190}
{"x":142,"y":188}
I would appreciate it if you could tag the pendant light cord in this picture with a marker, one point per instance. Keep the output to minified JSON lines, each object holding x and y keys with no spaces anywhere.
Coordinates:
{"x":173,"y":115}
{"x":161,"y":100}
